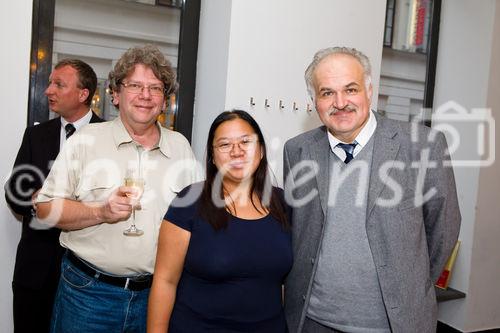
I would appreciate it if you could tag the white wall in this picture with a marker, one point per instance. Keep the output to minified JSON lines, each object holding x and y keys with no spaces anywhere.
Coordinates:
{"x":15,"y":29}
{"x":264,"y":54}
{"x":465,"y":74}
{"x":211,"y":72}
{"x":484,"y":289}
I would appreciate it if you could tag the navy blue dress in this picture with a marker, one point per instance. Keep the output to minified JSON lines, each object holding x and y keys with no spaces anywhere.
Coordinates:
{"x":231,"y":281}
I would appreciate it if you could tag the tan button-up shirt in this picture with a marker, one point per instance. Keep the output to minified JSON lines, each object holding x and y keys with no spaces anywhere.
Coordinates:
{"x":93,"y":164}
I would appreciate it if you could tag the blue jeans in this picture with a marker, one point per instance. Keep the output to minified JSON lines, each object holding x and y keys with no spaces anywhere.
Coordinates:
{"x":84,"y":304}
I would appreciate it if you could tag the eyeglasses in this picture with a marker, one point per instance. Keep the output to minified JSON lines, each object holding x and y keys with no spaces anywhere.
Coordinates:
{"x":245,"y":144}
{"x":137,"y":88}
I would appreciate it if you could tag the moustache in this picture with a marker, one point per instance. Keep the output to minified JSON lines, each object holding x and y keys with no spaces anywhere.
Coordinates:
{"x":348,"y":108}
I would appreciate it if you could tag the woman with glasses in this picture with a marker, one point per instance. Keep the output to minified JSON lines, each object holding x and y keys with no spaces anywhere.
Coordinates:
{"x":225,"y":246}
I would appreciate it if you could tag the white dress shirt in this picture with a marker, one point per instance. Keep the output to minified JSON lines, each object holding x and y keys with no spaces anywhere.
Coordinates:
{"x":361,"y":139}
{"x":78,"y":124}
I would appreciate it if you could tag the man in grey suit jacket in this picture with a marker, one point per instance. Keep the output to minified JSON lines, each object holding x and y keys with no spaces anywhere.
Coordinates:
{"x":375,"y":212}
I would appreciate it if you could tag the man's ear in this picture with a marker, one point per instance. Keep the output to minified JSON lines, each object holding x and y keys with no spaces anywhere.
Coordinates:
{"x":84,"y":94}
{"x":115,"y":98}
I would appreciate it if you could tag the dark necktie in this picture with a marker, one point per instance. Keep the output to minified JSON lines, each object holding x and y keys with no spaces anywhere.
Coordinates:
{"x":349,"y":150}
{"x":70,"y":129}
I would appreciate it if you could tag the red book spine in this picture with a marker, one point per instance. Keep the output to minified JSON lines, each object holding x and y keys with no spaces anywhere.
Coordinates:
{"x":443,"y":279}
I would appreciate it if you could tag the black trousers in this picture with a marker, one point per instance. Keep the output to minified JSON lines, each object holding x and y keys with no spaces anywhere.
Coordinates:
{"x":33,"y":308}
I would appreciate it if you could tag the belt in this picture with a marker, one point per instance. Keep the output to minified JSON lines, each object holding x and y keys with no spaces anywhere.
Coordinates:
{"x":134,"y":284}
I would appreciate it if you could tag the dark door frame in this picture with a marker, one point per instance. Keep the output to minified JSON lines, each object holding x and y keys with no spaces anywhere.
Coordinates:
{"x":186,"y":66}
{"x":430,"y":75}
{"x":42,"y":35}
{"x":41,"y":63}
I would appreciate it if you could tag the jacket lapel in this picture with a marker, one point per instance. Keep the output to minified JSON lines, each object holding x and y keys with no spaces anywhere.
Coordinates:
{"x":385,"y":150}
{"x":320,"y":152}
{"x":95,"y":118}
{"x":53,"y":137}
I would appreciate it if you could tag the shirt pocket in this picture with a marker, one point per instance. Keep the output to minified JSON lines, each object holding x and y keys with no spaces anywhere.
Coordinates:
{"x":95,"y":189}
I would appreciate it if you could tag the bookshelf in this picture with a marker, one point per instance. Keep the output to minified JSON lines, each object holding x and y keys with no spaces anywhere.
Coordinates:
{"x":443,"y":295}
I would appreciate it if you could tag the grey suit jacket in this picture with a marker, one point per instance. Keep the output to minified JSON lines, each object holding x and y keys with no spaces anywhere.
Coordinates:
{"x":410,"y":242}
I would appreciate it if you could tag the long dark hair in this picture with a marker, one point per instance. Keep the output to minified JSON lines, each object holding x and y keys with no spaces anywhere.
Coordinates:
{"x":218,"y":217}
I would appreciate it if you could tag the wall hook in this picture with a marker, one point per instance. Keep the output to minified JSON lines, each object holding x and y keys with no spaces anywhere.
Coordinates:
{"x":308,"y":108}
{"x":295,"y":108}
{"x":282,"y":106}
{"x":266,"y":103}
{"x":252,"y":103}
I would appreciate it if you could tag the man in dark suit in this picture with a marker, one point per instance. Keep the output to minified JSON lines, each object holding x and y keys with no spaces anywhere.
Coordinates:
{"x":71,"y":87}
{"x":375,"y":210}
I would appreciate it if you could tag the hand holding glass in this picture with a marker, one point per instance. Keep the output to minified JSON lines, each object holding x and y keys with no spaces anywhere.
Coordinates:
{"x":138,"y":185}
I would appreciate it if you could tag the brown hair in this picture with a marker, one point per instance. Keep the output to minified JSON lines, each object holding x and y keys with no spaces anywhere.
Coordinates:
{"x":147,"y":55}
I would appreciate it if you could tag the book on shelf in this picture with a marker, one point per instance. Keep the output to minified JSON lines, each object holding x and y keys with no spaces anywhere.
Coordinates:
{"x":445,"y":276}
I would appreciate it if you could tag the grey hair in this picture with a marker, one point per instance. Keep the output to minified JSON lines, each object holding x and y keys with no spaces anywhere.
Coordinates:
{"x":324,"y":53}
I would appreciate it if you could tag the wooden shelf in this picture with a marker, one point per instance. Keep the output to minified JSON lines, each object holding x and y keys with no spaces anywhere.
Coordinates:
{"x":448,"y":294}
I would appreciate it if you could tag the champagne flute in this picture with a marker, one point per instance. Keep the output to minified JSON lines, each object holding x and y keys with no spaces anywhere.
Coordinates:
{"x":138,"y":184}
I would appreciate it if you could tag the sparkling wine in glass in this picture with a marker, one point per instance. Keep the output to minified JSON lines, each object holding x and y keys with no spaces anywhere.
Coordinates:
{"x":138,"y":184}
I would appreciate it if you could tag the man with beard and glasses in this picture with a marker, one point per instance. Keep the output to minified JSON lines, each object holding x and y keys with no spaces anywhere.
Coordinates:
{"x":375,"y":211}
